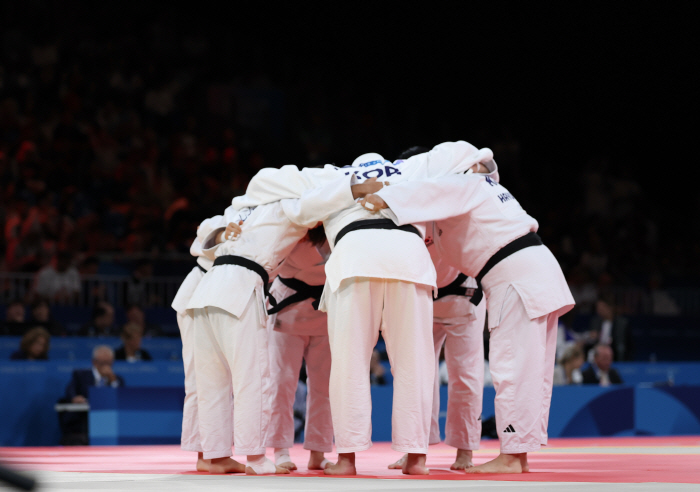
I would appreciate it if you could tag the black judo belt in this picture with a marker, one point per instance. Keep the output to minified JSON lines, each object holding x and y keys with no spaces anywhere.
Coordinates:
{"x":250,"y":265}
{"x":204,"y":270}
{"x":530,"y":239}
{"x":303,"y":291}
{"x":455,"y":288}
{"x":375,"y":224}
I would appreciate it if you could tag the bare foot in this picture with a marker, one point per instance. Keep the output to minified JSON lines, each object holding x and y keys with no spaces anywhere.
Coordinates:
{"x":344,"y":466}
{"x":282,"y":459}
{"x":278,"y":471}
{"x":398,"y":464}
{"x":503,"y":463}
{"x":225,"y":465}
{"x":288,"y":465}
{"x":260,"y":465}
{"x":463,"y":460}
{"x":202,"y":464}
{"x":317,"y":461}
{"x":415,"y":465}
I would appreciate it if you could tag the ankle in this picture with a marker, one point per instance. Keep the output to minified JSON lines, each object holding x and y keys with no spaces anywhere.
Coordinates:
{"x":348,"y":457}
{"x":255,"y":459}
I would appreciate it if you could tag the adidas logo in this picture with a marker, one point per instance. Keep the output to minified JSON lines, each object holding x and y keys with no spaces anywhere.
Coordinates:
{"x":509,"y":429}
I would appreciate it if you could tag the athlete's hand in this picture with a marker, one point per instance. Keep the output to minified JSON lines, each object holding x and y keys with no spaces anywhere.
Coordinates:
{"x":366,"y":188}
{"x":373,"y":203}
{"x":233,"y":231}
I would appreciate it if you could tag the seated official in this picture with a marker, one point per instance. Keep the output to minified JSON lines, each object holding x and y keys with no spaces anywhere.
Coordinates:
{"x":131,"y":350}
{"x":34,"y":345}
{"x":600,"y":371}
{"x":74,"y":424}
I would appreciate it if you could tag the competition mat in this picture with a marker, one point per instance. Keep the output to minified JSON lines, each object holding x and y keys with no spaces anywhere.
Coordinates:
{"x":622,"y":463}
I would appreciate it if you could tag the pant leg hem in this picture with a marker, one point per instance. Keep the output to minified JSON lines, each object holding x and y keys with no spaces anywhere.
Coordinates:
{"x":211,"y":455}
{"x":249,"y":452}
{"x":192,"y":448}
{"x":323,"y":448}
{"x":521,"y":449}
{"x":406,"y":449}
{"x":353,"y":449}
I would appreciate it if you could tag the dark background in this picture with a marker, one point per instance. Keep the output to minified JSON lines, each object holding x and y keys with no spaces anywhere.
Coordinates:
{"x":559,"y":92}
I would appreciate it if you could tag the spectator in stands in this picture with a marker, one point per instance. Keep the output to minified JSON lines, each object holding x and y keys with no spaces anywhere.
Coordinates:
{"x":102,"y":323}
{"x":609,"y":328}
{"x":14,"y":318}
{"x":93,"y":289}
{"x":41,"y":316}
{"x":662,"y":304}
{"x":59,"y":283}
{"x":137,"y":288}
{"x":74,"y":424}
{"x":376,"y":370}
{"x":568,"y":371}
{"x":15,"y":312}
{"x":34,"y":345}
{"x":600,"y":371}
{"x":131,"y":350}
{"x":136,"y":315}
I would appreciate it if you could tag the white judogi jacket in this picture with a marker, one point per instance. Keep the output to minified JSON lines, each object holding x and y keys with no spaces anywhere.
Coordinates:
{"x":449,"y":306}
{"x":184,"y":293}
{"x":390,"y":253}
{"x":269,"y":232}
{"x":478,"y":217}
{"x":305,"y":263}
{"x":370,"y":253}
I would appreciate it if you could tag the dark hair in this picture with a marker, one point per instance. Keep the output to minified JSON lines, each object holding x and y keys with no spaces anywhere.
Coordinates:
{"x":411,"y":151}
{"x":317,"y":235}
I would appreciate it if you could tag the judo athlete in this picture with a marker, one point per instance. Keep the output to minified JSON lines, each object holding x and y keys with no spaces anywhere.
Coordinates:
{"x":297,"y":331}
{"x":231,"y":345}
{"x":380,"y":276}
{"x":488,"y":236}
{"x":190,"y":420}
{"x":459,"y":326}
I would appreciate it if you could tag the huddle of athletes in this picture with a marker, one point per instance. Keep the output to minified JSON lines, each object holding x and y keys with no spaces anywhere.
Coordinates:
{"x":346,"y":249}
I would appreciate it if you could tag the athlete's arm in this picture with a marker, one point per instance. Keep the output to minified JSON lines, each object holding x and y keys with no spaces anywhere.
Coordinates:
{"x":368,"y":187}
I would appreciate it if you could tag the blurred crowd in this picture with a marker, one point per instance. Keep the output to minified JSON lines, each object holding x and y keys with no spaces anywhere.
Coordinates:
{"x":121,"y":142}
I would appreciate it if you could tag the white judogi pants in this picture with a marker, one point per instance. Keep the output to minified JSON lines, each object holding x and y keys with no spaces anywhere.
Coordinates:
{"x":231,"y":354}
{"x":286,"y":353}
{"x":189,"y":439}
{"x":464,"y":355}
{"x":404,"y":312}
{"x":521,"y":359}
